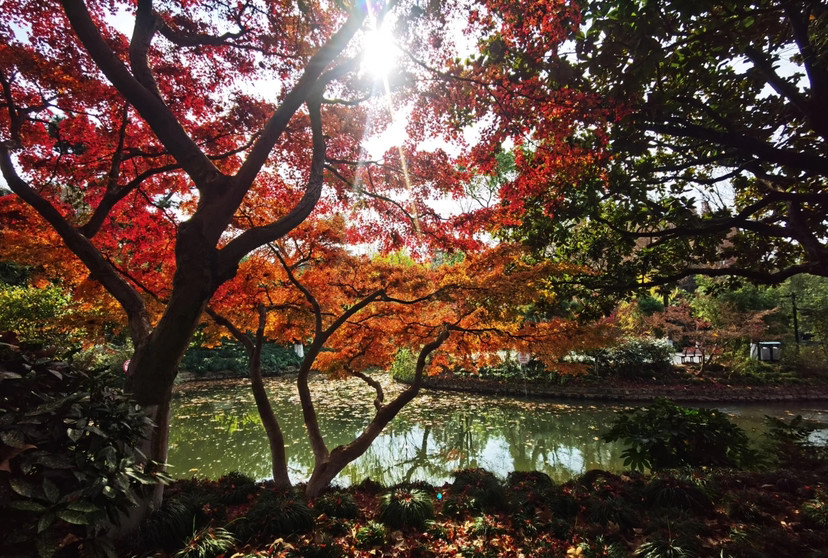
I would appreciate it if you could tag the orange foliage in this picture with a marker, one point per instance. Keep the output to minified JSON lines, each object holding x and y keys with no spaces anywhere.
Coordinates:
{"x":481,"y":300}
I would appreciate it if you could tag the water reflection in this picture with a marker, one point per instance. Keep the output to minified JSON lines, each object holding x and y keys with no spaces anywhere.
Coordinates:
{"x":216,"y":429}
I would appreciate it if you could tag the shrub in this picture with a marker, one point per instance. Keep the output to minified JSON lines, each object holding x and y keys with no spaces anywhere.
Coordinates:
{"x":319,"y":546}
{"x":665,"y":435}
{"x":475,"y":490}
{"x":486,"y":526}
{"x":370,"y":535}
{"x":274,"y":514}
{"x":633,"y":358}
{"x":207,"y":543}
{"x":528,"y":491}
{"x":170,"y":526}
{"x":404,"y":366}
{"x":671,"y":493}
{"x":601,"y":548}
{"x":72,"y":469}
{"x":236,"y":488}
{"x":232,"y":357}
{"x":666,"y":547}
{"x":788,"y":444}
{"x":402,"y":507}
{"x":337,"y":504}
{"x":815,"y":511}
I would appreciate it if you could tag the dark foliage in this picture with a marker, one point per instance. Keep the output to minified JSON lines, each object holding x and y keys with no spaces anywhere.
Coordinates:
{"x":401,"y":507}
{"x":475,"y":490}
{"x":232,"y":357}
{"x":274,"y":514}
{"x":68,"y":440}
{"x":666,"y":435}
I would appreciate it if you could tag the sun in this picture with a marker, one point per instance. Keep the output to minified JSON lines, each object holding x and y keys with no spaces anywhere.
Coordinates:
{"x":380,"y":52}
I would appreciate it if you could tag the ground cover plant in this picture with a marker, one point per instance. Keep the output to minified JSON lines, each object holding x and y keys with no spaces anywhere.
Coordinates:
{"x":719,"y":512}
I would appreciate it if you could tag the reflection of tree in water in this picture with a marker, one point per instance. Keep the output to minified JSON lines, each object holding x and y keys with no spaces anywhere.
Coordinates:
{"x":218,"y":430}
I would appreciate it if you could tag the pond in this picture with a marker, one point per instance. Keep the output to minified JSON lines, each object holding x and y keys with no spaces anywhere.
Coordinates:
{"x":216,"y":429}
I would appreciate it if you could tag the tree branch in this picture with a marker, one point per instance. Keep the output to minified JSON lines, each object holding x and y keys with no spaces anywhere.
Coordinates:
{"x":298,"y":95}
{"x":103,"y":271}
{"x":236,"y":249}
{"x":146,"y":101}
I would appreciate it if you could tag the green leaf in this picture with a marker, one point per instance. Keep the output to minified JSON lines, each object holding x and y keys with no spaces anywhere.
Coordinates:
{"x":23,"y":488}
{"x":27,"y":505}
{"x":74,"y":517}
{"x":13,"y":438}
{"x":53,"y":405}
{"x":46,"y":521}
{"x":85,"y":507}
{"x":52,"y":461}
{"x":97,"y":431}
{"x":51,"y":491}
{"x":74,"y":434}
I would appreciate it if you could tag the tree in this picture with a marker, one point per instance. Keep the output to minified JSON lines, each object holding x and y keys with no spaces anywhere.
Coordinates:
{"x":144,"y":154}
{"x":710,"y":327}
{"x":161,"y":160}
{"x":358,"y":314}
{"x":718,"y":158}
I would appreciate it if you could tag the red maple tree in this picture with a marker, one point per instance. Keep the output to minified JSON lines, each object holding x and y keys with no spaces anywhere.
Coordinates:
{"x":163,"y":151}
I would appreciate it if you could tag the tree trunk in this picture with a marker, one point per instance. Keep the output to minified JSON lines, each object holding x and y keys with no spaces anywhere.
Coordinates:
{"x":275,"y":438}
{"x":155,"y":447}
{"x":328,"y":465}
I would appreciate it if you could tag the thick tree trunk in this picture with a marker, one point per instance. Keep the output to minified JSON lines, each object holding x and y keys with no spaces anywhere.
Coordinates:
{"x":155,"y":447}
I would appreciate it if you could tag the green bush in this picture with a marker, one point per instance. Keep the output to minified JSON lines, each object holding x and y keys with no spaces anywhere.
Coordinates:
{"x":404,"y":366}
{"x":371,"y":535}
{"x":633,"y":358}
{"x":666,"y":547}
{"x":274,"y":514}
{"x":669,"y":493}
{"x":402,"y":507}
{"x":815,"y":511}
{"x":72,"y":467}
{"x":666,"y":435}
{"x":207,"y":542}
{"x":232,"y":357}
{"x":337,"y":504}
{"x":788,"y":444}
{"x":529,"y":491}
{"x":236,"y":488}
{"x":33,"y":313}
{"x":475,"y":490}
{"x":170,"y":526}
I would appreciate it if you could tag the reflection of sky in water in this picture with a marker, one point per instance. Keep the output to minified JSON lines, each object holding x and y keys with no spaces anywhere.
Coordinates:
{"x":216,"y":429}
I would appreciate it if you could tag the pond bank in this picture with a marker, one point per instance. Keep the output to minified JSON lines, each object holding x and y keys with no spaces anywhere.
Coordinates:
{"x":641,"y":392}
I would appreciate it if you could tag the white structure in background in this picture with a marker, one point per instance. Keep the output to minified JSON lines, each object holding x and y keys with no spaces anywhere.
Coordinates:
{"x":766,"y":350}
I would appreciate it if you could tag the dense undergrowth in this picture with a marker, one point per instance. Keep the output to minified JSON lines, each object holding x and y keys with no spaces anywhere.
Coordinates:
{"x":673,"y":513}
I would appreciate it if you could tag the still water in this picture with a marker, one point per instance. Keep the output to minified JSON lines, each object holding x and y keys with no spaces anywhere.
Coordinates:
{"x":216,"y":429}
